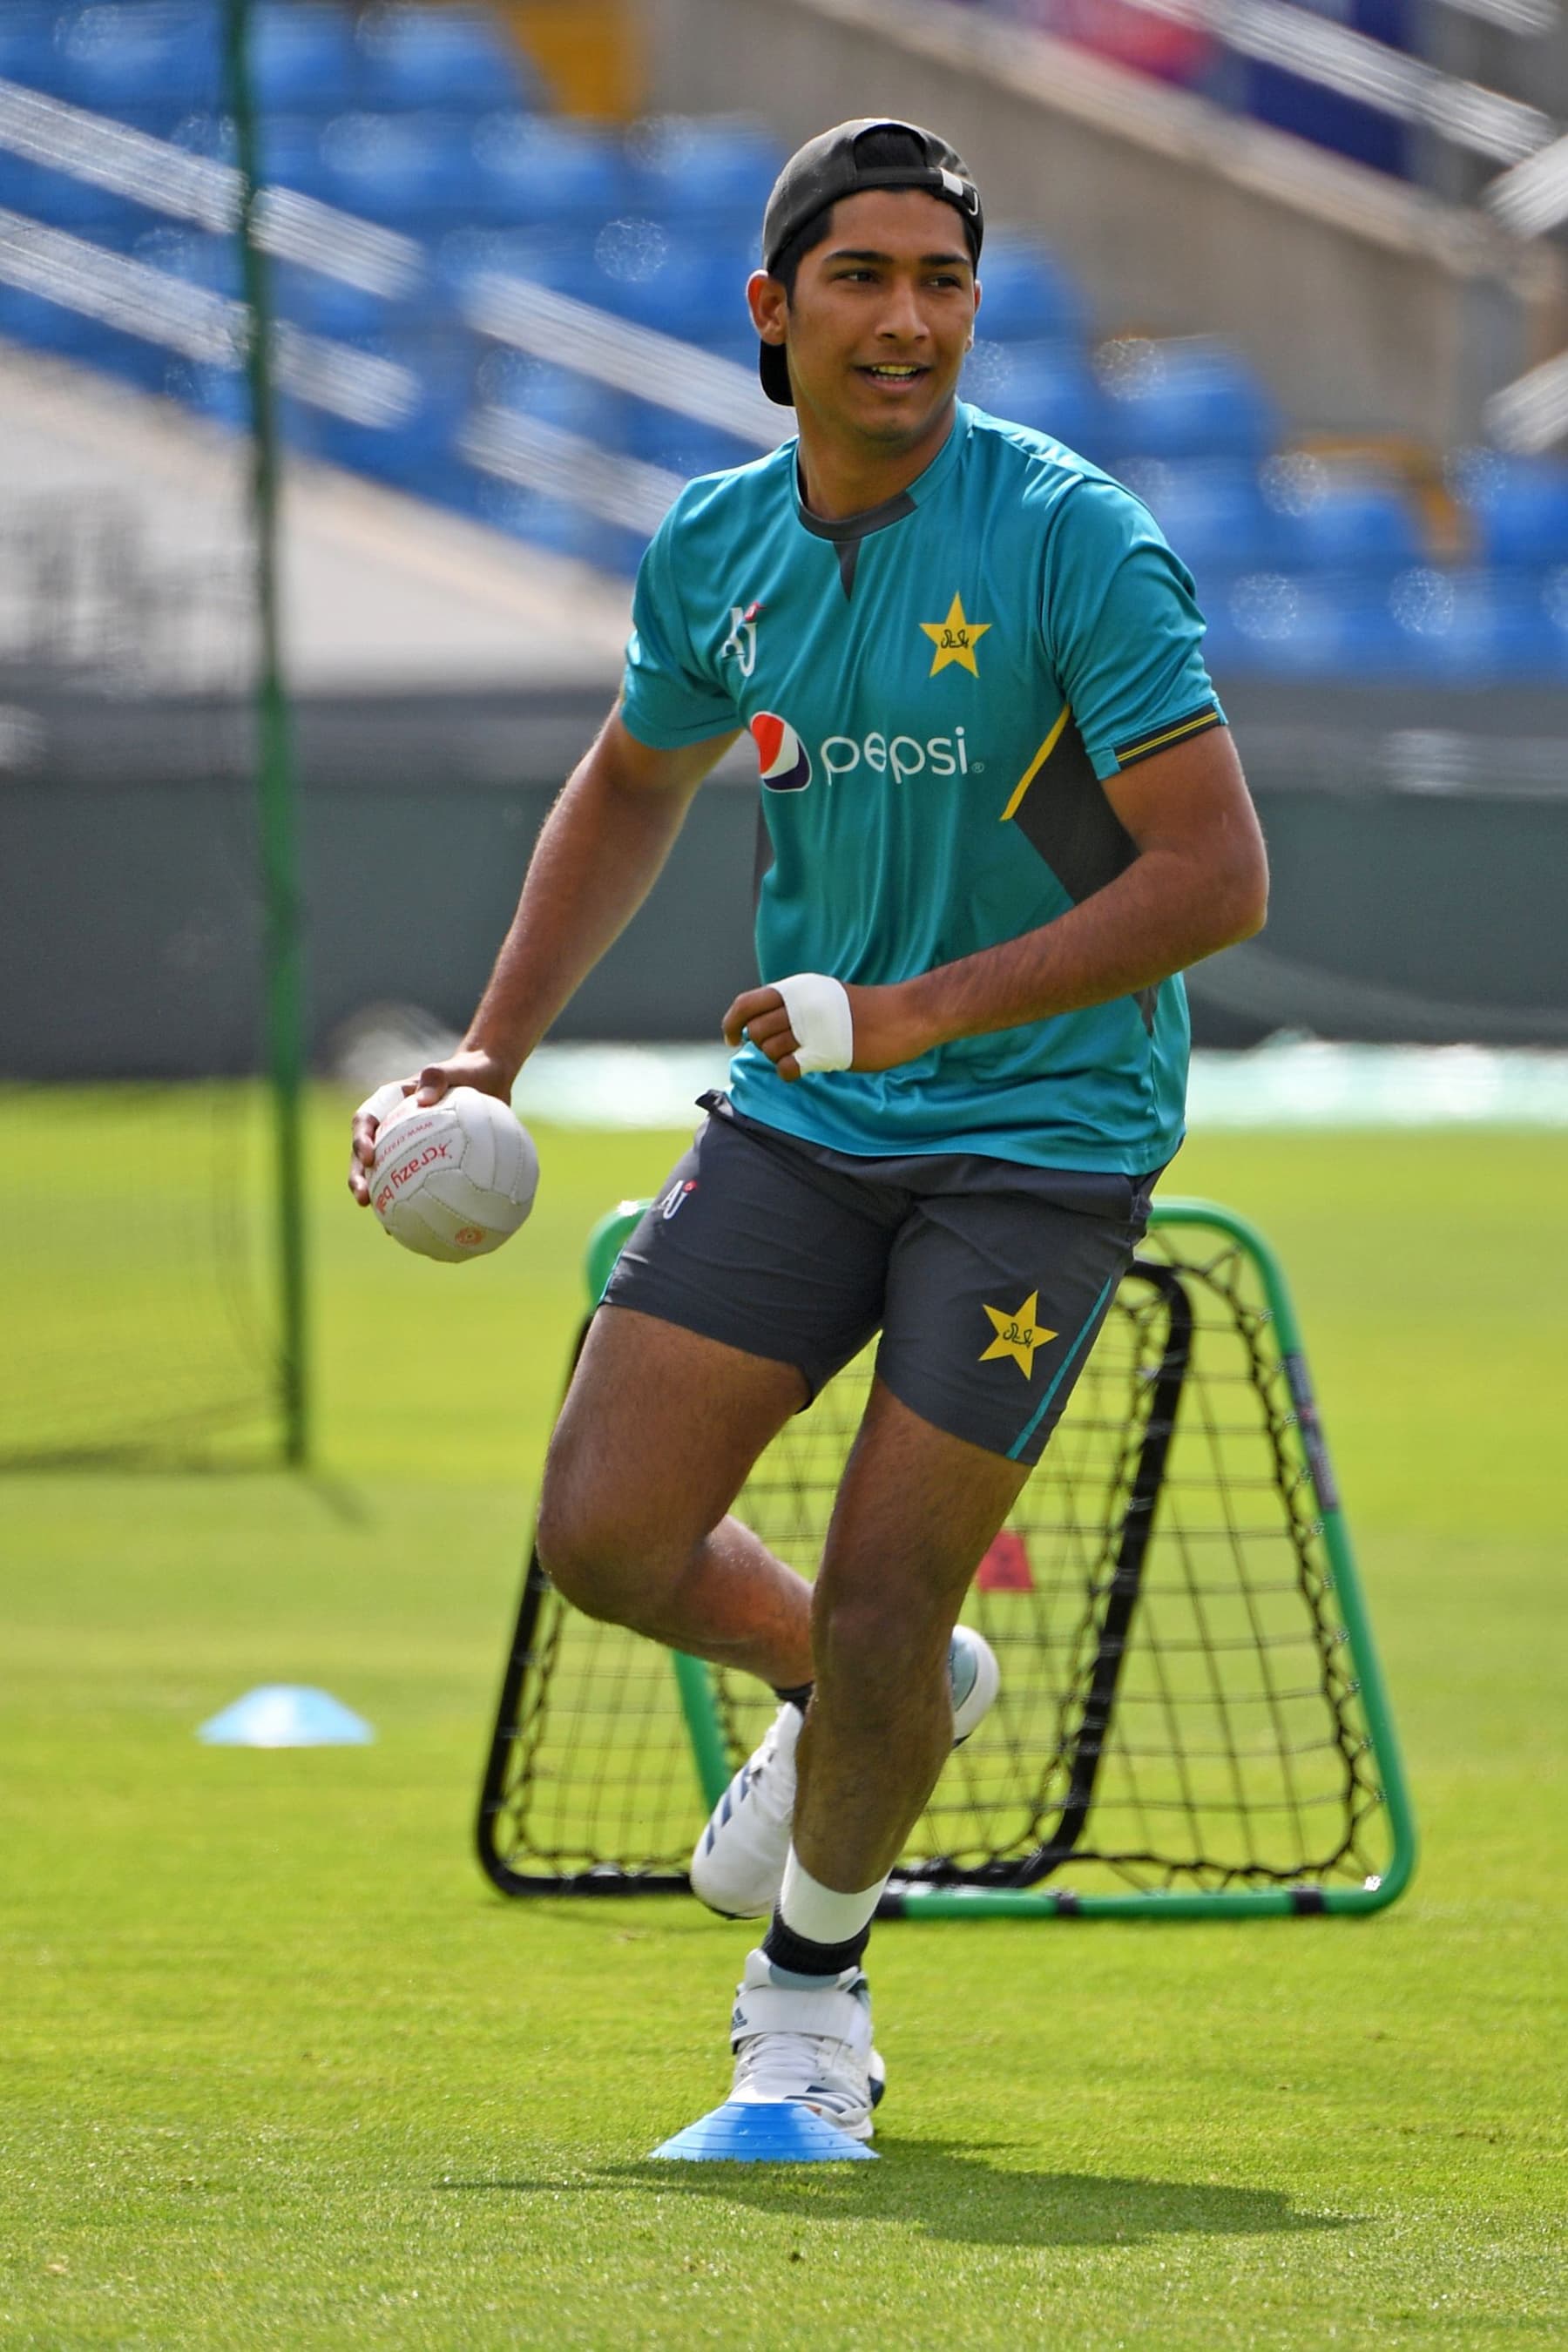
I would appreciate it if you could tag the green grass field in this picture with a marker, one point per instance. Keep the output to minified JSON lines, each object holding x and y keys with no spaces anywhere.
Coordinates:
{"x":281,"y":2071}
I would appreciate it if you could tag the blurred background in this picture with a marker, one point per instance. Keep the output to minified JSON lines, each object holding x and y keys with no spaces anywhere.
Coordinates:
{"x":1295,"y":272}
{"x":280,"y":718}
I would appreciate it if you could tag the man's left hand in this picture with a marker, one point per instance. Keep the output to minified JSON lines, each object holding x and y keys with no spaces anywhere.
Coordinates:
{"x":886,"y":1031}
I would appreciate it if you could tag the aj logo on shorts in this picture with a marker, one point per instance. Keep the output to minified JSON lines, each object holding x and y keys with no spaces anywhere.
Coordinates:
{"x":676,"y":1197}
{"x":1018,"y":1335}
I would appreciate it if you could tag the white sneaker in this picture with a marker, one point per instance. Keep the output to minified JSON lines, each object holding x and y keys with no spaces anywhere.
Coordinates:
{"x":813,"y":2048}
{"x":739,"y":1864}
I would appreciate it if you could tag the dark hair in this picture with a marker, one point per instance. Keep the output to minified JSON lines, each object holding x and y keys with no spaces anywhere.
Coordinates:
{"x":889,"y":146}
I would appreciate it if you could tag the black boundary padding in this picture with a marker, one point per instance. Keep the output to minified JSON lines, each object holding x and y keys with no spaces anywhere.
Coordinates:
{"x":1132,"y":1548}
{"x":493,"y":1790}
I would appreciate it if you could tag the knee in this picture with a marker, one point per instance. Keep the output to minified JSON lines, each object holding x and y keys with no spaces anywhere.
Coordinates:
{"x":598,"y":1557}
{"x":883,"y":1643}
{"x":580,"y":1551}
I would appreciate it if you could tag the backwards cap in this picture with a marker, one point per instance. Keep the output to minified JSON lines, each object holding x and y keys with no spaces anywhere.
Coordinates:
{"x":837,"y":164}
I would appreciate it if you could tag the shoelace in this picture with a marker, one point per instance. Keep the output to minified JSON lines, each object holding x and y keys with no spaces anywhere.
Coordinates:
{"x":764,"y":1779}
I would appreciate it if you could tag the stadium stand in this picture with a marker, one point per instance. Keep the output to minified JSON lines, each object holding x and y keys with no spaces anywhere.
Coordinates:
{"x":1356,"y":78}
{"x":536,"y":322}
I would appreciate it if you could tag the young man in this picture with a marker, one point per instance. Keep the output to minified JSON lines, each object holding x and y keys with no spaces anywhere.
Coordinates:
{"x":1002,"y":811}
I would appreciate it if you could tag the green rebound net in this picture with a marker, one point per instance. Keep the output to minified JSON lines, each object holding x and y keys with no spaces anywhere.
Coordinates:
{"x":1191,"y":1720}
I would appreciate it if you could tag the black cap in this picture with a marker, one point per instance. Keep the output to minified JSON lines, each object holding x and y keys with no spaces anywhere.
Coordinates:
{"x":833,"y":165}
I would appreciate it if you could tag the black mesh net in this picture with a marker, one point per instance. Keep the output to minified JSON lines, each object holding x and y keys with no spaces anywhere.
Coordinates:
{"x":1178,"y":1707}
{"x":135,"y":1168}
{"x":134,"y":1217}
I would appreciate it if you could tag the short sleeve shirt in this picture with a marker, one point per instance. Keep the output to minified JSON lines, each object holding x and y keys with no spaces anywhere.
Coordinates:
{"x":936,"y":690}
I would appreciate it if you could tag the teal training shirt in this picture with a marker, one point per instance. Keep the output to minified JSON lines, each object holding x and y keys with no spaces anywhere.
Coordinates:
{"x":935,"y":688}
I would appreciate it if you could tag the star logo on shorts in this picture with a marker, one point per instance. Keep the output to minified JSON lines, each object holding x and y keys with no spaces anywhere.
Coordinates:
{"x":955,"y":639}
{"x":1018,"y":1335}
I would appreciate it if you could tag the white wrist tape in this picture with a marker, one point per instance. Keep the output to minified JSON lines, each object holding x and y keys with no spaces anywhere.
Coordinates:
{"x":819,"y":1014}
{"x":383,"y":1102}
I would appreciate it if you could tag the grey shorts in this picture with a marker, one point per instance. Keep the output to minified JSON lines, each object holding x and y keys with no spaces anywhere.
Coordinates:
{"x":988,"y":1280}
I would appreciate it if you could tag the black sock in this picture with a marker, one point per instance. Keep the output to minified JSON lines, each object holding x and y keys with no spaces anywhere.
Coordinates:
{"x":795,"y":1693}
{"x":802,"y":1957}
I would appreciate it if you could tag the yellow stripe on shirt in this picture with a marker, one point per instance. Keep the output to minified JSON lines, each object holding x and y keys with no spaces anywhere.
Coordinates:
{"x":1209,"y":718}
{"x":1035,"y":764}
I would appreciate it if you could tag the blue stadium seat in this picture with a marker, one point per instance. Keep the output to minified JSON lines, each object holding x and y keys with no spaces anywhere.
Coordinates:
{"x":555,"y":395}
{"x":554,"y":524}
{"x":68,"y":333}
{"x":1471,"y":628}
{"x":1517,"y":508}
{"x":219,"y":395}
{"x":61,"y":199}
{"x":46,"y":326}
{"x":414,"y":173}
{"x":456,"y":60}
{"x":636,"y":269}
{"x":205,"y":131}
{"x":737,"y":343}
{"x":1334,"y":521}
{"x":289,"y":152}
{"x":1026,"y":295}
{"x":530,"y":169}
{"x":203,"y":259}
{"x":327,"y":305}
{"x":150,"y":60}
{"x":1048,"y":385}
{"x":413,"y":452}
{"x":1192,"y":398}
{"x":142,"y":366}
{"x":1214,"y":515}
{"x":1553,"y":605}
{"x":683,"y":445}
{"x":1273,"y":625}
{"x":695,"y":171}
{"x":30,"y":52}
{"x":303,"y":59}
{"x":549,"y":257}
{"x":1528,"y":636}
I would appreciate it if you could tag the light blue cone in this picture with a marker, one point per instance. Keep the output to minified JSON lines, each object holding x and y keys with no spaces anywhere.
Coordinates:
{"x":287,"y":1714}
{"x":776,"y":2131}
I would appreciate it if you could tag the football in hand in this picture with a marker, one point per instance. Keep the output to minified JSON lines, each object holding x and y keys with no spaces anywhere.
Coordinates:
{"x":454,"y":1179}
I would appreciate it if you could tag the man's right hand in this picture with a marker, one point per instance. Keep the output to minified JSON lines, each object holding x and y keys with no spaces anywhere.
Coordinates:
{"x":468,"y":1067}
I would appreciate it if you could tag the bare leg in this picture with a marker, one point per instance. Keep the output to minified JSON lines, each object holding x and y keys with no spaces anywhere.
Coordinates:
{"x":914,"y":1515}
{"x":659,"y":1429}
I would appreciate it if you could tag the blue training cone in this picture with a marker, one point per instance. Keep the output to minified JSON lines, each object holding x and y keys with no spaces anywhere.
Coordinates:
{"x":775,"y":2131}
{"x":286,"y":1715}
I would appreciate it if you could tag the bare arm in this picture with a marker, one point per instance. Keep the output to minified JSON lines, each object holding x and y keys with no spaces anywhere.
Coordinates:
{"x":1199,"y":883}
{"x":597,"y":857}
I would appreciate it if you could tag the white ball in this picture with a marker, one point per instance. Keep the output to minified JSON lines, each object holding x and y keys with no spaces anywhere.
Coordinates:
{"x":455,"y":1180}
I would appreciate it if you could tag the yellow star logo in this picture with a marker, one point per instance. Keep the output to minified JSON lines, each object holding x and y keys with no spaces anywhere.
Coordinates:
{"x":954,"y":638}
{"x":1018,"y":1335}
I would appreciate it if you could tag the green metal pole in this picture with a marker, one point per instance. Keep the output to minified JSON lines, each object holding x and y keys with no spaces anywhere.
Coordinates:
{"x":283,"y":923}
{"x":694,"y":1681}
{"x":1337,"y":1544}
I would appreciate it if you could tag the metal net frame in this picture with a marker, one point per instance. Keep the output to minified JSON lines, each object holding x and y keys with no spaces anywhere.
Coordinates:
{"x":1191,"y":1720}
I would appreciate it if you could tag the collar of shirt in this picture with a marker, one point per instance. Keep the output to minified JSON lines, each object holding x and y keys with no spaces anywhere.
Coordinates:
{"x":859,"y":526}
